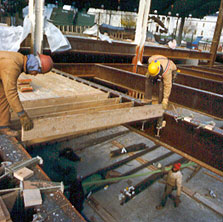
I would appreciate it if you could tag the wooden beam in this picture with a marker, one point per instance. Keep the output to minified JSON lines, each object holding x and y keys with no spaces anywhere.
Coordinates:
{"x":87,"y":110}
{"x":63,"y":100}
{"x":69,"y":107}
{"x":46,"y":127}
{"x":16,"y":124}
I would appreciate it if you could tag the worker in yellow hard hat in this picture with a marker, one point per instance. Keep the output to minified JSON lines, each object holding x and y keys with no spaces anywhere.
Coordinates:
{"x":164,"y":69}
{"x":12,"y":64}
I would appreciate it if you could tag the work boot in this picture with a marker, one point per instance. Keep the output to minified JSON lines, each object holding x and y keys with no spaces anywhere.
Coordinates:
{"x":7,"y":131}
{"x":159,"y":207}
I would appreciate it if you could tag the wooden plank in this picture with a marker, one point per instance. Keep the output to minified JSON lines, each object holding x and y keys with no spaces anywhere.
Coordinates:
{"x":62,"y":100}
{"x":32,"y":197}
{"x":60,"y":85}
{"x":87,"y":110}
{"x":15,"y":121}
{"x":45,"y":127}
{"x":43,"y":110}
{"x":23,"y":173}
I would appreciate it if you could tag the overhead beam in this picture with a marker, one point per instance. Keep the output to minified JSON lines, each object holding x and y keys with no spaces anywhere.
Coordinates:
{"x":87,"y":46}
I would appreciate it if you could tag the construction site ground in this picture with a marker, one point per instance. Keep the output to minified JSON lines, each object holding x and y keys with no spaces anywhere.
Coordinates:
{"x":104,"y":205}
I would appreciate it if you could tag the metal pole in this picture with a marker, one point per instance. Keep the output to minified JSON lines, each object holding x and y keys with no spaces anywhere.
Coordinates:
{"x":141,"y":28}
{"x":32,"y":19}
{"x":39,"y":23}
{"x":144,"y":29}
{"x":217,"y":35}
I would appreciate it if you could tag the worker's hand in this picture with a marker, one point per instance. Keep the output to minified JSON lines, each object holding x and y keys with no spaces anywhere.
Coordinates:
{"x":177,"y":201}
{"x":26,"y":122}
{"x":165,"y":103}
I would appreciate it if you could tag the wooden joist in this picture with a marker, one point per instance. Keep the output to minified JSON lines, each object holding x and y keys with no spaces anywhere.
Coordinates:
{"x":87,"y":110}
{"x":62,"y":100}
{"x":61,"y":125}
{"x":67,"y":108}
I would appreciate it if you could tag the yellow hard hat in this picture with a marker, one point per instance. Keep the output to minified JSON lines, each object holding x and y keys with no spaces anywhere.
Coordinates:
{"x":154,"y":68}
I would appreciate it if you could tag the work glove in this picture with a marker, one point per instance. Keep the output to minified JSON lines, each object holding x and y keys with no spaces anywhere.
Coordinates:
{"x":165,"y":104}
{"x":177,"y":201}
{"x":26,"y":122}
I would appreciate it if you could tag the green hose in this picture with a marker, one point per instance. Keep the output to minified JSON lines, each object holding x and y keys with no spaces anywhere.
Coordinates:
{"x":134,"y":175}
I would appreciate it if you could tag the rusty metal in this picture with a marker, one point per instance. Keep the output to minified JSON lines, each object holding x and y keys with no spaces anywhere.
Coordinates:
{"x":204,"y":73}
{"x":124,"y":150}
{"x":200,"y":83}
{"x":176,"y":53}
{"x":217,"y":69}
{"x":193,"y":98}
{"x":196,"y":99}
{"x":121,"y":162}
{"x":11,"y":150}
{"x":155,"y":160}
{"x":90,"y":46}
{"x":204,"y":145}
{"x":97,"y":47}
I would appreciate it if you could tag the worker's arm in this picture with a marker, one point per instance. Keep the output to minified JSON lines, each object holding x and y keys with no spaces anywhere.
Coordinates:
{"x":9,"y":75}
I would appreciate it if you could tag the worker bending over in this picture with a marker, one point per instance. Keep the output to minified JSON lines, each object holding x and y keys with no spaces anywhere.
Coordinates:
{"x":163,"y":69}
{"x":12,"y":64}
{"x":173,"y":182}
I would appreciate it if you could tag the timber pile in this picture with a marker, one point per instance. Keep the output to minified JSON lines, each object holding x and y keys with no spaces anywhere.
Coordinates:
{"x":75,"y":108}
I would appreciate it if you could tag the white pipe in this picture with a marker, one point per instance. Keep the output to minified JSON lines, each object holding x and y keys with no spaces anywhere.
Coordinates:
{"x":32,"y":19}
{"x":144,"y":23}
{"x":138,"y":33}
{"x":39,"y":24}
